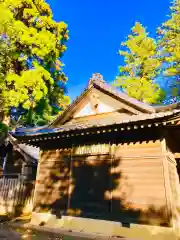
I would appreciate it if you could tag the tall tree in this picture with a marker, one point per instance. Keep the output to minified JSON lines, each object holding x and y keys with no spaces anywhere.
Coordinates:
{"x":141,"y":67}
{"x":169,"y":48}
{"x":33,"y":83}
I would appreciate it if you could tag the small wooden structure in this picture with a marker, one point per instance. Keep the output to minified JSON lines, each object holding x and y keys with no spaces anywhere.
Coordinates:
{"x":108,"y":157}
{"x":18,"y":166}
{"x":17,"y":158}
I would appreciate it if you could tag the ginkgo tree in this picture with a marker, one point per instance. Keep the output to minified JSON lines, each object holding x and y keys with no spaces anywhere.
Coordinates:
{"x":141,"y":67}
{"x":35,"y":45}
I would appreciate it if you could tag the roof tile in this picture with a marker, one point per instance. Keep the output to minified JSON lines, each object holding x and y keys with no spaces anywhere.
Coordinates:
{"x":106,"y":121}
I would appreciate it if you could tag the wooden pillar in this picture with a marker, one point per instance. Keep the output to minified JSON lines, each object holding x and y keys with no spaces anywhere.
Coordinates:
{"x":167,"y":181}
{"x":170,"y":145}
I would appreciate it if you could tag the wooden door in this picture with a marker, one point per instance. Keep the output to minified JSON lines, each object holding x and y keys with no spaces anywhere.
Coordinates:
{"x":89,"y":185}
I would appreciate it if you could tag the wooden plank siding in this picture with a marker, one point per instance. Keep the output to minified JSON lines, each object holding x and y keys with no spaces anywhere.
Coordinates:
{"x":127,"y":184}
{"x":141,"y":186}
{"x":174,"y":190}
{"x":53,"y":182}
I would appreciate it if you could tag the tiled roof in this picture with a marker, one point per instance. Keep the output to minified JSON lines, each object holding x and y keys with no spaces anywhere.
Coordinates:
{"x":121,"y":95}
{"x":106,"y":121}
{"x":30,"y":152}
{"x":102,"y":85}
{"x":33,"y":152}
{"x":149,"y":112}
{"x":111,"y":90}
{"x":168,"y":107}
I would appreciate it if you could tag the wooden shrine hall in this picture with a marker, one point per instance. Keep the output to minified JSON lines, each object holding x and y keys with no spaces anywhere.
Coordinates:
{"x":109,"y":165}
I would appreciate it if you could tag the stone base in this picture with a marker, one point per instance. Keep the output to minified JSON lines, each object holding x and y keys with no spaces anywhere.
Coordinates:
{"x":105,"y":228}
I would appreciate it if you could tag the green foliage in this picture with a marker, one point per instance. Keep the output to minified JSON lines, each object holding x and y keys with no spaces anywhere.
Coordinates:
{"x":169,"y":43}
{"x":6,"y":49}
{"x":33,"y":43}
{"x":3,"y":129}
{"x":5,"y":59}
{"x":141,"y":67}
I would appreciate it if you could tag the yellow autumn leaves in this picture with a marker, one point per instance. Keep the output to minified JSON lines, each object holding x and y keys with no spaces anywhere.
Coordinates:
{"x":28,"y":26}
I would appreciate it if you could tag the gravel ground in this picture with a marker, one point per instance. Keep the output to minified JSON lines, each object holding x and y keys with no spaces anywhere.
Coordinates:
{"x":9,"y":233}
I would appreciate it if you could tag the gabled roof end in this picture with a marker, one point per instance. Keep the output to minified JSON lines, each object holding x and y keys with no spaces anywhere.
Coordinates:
{"x":96,"y":77}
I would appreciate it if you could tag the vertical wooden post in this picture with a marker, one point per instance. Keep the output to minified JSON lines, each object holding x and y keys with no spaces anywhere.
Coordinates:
{"x":36,"y":182}
{"x":166,"y":179}
{"x":111,"y":163}
{"x":70,"y":178}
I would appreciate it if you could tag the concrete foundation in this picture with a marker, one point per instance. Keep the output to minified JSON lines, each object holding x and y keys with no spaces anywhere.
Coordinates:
{"x":105,"y":228}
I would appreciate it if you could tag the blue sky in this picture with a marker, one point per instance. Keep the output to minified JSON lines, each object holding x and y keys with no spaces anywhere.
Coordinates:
{"x":96,"y":29}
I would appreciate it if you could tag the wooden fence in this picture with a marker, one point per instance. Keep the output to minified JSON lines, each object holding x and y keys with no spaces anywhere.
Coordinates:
{"x":16,"y":195}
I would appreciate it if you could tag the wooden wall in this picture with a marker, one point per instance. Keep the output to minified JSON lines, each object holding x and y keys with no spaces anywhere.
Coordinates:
{"x":174,"y":188}
{"x":125,"y":184}
{"x":52,"y":184}
{"x":172,"y":149}
{"x":142,"y":186}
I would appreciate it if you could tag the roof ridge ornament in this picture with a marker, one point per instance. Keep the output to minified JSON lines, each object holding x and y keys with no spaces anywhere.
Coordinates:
{"x":96,"y":77}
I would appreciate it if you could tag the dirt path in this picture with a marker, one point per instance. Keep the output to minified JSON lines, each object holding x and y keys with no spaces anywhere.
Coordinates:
{"x":19,"y":234}
{"x":9,"y":233}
